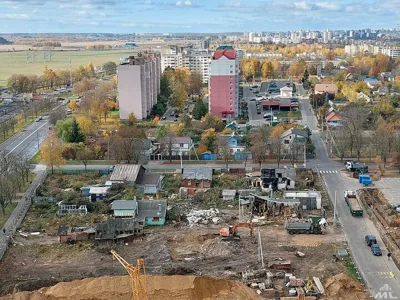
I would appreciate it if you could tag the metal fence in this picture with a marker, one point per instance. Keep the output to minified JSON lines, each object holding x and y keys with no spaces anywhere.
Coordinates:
{"x":16,"y":217}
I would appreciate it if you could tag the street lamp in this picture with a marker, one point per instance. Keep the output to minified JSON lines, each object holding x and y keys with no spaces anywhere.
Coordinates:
{"x":180,"y":153}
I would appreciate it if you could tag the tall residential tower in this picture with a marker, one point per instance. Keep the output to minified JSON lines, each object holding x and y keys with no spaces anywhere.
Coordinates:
{"x":223,"y":84}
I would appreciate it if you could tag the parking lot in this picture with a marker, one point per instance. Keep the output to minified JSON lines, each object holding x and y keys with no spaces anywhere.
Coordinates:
{"x":390,"y":187}
{"x":253,"y":94}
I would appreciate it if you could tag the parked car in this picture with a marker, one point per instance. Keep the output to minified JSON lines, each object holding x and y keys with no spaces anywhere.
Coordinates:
{"x":376,"y":250}
{"x":268,"y":116}
{"x":111,"y":169}
{"x":370,"y":240}
{"x":172,"y":113}
{"x":164,"y":117}
{"x":176,"y":115}
{"x":256,"y":92}
{"x":38,"y":119}
{"x":258,"y":112}
{"x":253,"y":99}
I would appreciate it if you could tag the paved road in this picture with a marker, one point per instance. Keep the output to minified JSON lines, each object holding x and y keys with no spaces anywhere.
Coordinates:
{"x":26,"y":142}
{"x":375,"y":270}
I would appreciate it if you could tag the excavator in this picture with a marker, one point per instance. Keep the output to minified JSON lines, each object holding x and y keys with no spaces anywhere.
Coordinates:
{"x":231,"y":232}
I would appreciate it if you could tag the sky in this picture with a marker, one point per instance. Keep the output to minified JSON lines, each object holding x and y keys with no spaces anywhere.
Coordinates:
{"x":204,"y":16}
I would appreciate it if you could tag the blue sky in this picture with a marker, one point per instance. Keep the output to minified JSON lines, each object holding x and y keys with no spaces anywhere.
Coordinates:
{"x":127,"y":16}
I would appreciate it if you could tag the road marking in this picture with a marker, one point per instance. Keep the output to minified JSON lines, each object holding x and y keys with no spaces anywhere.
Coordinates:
{"x":25,"y":139}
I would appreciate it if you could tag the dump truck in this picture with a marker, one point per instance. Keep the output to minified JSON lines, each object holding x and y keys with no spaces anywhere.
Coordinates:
{"x":313,"y":225}
{"x":356,"y":167}
{"x":354,"y":205}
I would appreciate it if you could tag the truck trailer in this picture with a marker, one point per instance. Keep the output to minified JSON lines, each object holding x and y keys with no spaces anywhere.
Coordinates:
{"x":352,"y":202}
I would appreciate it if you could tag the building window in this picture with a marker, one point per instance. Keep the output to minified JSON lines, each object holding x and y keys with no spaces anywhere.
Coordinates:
{"x":181,"y":145}
{"x":231,"y":72}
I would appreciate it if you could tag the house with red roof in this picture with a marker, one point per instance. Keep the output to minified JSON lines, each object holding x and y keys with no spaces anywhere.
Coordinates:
{"x":333,"y":119}
{"x":223,"y":84}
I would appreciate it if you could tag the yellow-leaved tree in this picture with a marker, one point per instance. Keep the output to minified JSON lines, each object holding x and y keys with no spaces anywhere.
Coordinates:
{"x":51,"y":151}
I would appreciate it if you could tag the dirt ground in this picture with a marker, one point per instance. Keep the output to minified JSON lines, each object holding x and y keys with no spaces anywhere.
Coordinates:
{"x":39,"y":261}
{"x":158,"y":288}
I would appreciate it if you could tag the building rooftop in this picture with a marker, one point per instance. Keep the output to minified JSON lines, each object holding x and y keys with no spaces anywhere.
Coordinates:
{"x":201,"y":173}
{"x":149,"y":178}
{"x":124,"y":204}
{"x":152,"y":209}
{"x":226,"y":51}
{"x":324,"y":87}
{"x":98,"y":189}
{"x":126,"y":173}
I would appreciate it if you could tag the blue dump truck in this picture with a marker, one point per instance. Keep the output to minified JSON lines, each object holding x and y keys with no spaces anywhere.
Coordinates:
{"x":365,"y":180}
{"x":352,"y":202}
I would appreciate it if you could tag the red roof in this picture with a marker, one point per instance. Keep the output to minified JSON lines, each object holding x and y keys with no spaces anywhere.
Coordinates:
{"x":228,"y":53}
{"x":332,"y":117}
{"x":272,"y":103}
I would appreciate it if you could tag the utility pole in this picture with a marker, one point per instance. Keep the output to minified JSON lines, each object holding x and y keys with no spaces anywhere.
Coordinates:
{"x":334,"y":212}
{"x":305,"y":155}
{"x":260,"y":251}
{"x":180,"y":153}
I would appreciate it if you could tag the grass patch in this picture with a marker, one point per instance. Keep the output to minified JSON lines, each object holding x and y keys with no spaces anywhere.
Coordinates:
{"x":91,"y":162}
{"x":351,"y":269}
{"x":66,"y":94}
{"x":15,"y":62}
{"x":172,"y":183}
{"x":9,"y":210}
{"x":36,"y":158}
{"x":296,"y":115}
{"x":114,"y":114}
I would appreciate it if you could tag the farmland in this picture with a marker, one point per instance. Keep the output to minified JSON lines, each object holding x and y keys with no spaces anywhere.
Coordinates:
{"x":16,"y":62}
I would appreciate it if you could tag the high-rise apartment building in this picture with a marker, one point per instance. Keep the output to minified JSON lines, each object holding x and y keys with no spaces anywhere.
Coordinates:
{"x":223,"y":85}
{"x":196,"y":60}
{"x":393,"y":52}
{"x":138,"y":85}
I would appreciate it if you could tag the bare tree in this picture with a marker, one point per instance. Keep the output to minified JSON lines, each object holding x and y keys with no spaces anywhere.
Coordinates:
{"x":258,"y":151}
{"x":224,"y":151}
{"x":342,"y":141}
{"x":384,"y":140}
{"x":355,"y":118}
{"x":295,"y":149}
{"x":276,"y":147}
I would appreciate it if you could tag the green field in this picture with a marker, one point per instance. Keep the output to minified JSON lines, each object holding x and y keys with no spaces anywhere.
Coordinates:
{"x":16,"y":62}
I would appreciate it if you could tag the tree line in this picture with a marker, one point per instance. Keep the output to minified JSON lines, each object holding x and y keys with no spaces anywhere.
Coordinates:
{"x":14,"y":174}
{"x":21,"y":83}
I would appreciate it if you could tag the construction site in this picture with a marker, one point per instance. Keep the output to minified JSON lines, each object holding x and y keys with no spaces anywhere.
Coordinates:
{"x":271,"y":245}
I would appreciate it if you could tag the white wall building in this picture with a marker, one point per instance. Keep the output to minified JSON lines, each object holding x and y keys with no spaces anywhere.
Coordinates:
{"x":138,"y":85}
{"x":195,"y":60}
{"x":393,"y":52}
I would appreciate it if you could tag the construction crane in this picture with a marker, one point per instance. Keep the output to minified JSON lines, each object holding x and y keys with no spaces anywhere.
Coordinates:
{"x":138,"y":280}
{"x":231,"y":232}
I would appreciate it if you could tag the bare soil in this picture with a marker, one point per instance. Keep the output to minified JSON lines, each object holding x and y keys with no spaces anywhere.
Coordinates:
{"x":40,"y":261}
{"x":158,"y":288}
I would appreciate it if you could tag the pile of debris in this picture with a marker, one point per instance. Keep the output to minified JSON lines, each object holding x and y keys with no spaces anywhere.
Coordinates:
{"x":263,"y":282}
{"x":203,"y":217}
{"x":341,"y":287}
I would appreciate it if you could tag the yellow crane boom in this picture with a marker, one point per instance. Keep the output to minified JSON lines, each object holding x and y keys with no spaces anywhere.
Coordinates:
{"x":138,"y":280}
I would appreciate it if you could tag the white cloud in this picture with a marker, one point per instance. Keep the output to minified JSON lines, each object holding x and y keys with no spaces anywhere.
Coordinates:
{"x":17,"y":16}
{"x":303,"y":5}
{"x":186,"y":3}
{"x":327,"y":6}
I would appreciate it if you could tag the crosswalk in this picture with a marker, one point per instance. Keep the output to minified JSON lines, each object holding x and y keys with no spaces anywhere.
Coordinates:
{"x":328,"y":171}
{"x":384,"y":275}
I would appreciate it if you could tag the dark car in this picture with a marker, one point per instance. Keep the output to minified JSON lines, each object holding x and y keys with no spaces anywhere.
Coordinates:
{"x":370,"y":240}
{"x":111,"y":169}
{"x":376,"y":250}
{"x":255,"y":92}
{"x":258,"y":112}
{"x":176,"y":115}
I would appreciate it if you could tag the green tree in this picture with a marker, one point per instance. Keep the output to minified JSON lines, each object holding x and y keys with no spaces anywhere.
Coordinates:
{"x":110,"y":68}
{"x":200,"y":109}
{"x":76,"y":133}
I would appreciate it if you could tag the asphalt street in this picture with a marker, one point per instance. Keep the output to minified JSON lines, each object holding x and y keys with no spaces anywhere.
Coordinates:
{"x":26,"y":142}
{"x":375,"y":270}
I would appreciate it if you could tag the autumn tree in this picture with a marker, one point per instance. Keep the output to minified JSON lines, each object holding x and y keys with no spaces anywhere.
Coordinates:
{"x":89,"y":68}
{"x":51,"y":151}
{"x":342,"y":141}
{"x":72,"y":105}
{"x":267,"y":70}
{"x":297,"y":68}
{"x":195,"y":84}
{"x":209,"y":138}
{"x":86,"y":124}
{"x":212,"y":121}
{"x":179,"y":96}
